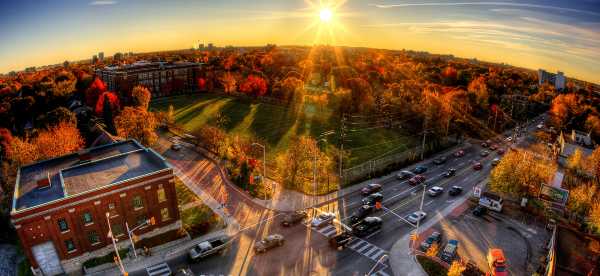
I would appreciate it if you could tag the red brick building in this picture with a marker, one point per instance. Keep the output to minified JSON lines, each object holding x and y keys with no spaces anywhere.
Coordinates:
{"x":60,"y":205}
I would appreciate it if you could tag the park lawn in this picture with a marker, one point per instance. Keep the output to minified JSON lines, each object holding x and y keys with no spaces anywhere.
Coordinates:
{"x":276,"y":124}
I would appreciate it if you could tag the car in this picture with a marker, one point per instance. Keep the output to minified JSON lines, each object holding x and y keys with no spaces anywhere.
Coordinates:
{"x":290,"y":219}
{"x":417,"y":179}
{"x":372,"y":198}
{"x":208,"y":247}
{"x":484,"y":153}
{"x":500,"y":151}
{"x":367,"y":226}
{"x":450,"y":173}
{"x":416,"y":217}
{"x":479,"y":211}
{"x":477,"y":166}
{"x":269,"y":242}
{"x":361,"y":213}
{"x":322,"y":220}
{"x":419,"y":169}
{"x":371,"y":188}
{"x":455,"y":190}
{"x":459,"y":153}
{"x":440,"y":160}
{"x":449,"y":252}
{"x":341,"y":239}
{"x":175,"y":147}
{"x":435,"y":237}
{"x":495,"y":161}
{"x":184,"y":271}
{"x":508,"y":139}
{"x":404,"y":175}
{"x":435,"y":191}
{"x":484,"y":144}
{"x":540,"y":126}
{"x":494,"y":147}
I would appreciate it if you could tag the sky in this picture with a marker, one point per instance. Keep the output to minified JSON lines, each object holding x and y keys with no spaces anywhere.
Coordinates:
{"x":550,"y":34}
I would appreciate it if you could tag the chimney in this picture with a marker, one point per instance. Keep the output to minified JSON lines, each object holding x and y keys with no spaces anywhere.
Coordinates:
{"x":44,"y":181}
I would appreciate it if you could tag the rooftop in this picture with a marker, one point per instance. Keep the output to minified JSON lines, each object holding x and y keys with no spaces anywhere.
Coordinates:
{"x":146,"y":65}
{"x":82,"y":172}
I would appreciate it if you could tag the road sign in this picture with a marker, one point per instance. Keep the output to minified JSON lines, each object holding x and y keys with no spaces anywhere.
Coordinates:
{"x":477,"y":191}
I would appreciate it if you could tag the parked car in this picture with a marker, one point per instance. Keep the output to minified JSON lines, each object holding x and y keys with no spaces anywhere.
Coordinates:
{"x":341,"y":239}
{"x":417,"y":179}
{"x":497,"y":262}
{"x":185,"y":271}
{"x":416,"y":217}
{"x":508,"y":139}
{"x":450,"y":173}
{"x":449,"y":252}
{"x":455,"y":190}
{"x":495,"y":161}
{"x":290,"y":219}
{"x":459,"y":153}
{"x":435,"y":191}
{"x":175,"y":147}
{"x":484,"y":153}
{"x":479,"y":211}
{"x":269,"y":242}
{"x":361,"y":213}
{"x":371,"y":188}
{"x":372,"y":198}
{"x":484,"y":144}
{"x":404,"y":175}
{"x":420,"y":169}
{"x":500,"y":151}
{"x":435,"y":237}
{"x":540,"y":126}
{"x":322,"y":220}
{"x":477,"y":166}
{"x":440,"y":160}
{"x":493,"y":147}
{"x":208,"y":247}
{"x":367,"y":226}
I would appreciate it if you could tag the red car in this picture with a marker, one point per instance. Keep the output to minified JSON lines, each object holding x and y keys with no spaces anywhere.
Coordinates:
{"x":371,"y":188}
{"x":417,"y":179}
{"x":500,"y":151}
{"x":459,"y":153}
{"x":477,"y":166}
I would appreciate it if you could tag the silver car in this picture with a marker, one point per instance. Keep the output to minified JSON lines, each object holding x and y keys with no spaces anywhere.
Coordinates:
{"x":322,"y":220}
{"x":416,"y":217}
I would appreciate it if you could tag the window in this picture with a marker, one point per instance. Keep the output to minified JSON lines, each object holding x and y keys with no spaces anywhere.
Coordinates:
{"x":162,"y":197}
{"x":70,"y":245}
{"x":62,"y":225}
{"x":87,"y":218}
{"x":164,"y":214}
{"x":93,"y":237}
{"x":117,"y":229}
{"x":137,"y":202}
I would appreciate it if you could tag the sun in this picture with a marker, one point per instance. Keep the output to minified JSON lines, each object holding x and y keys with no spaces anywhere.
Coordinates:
{"x":325,"y":15}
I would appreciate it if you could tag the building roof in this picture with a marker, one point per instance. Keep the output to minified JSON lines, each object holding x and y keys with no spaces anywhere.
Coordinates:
{"x":82,"y":172}
{"x":142,"y":66}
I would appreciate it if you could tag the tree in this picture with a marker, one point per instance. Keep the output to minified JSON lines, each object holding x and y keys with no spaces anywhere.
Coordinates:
{"x":21,"y":152}
{"x":594,"y":216}
{"x":456,"y":268}
{"x":5,"y":140}
{"x":254,"y":86}
{"x":112,"y":99}
{"x":520,"y":173}
{"x":297,"y":163}
{"x":107,"y":115}
{"x":214,"y":138}
{"x":575,"y":161}
{"x":64,"y":84}
{"x":58,"y":140}
{"x":433,"y":250}
{"x":228,"y":82}
{"x":592,"y":124}
{"x":92,"y":94}
{"x":138,"y":124}
{"x":58,"y":115}
{"x":580,"y":198}
{"x":141,"y":96}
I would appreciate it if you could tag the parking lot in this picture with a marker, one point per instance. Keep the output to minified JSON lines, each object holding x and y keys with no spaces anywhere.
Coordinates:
{"x":522,"y":242}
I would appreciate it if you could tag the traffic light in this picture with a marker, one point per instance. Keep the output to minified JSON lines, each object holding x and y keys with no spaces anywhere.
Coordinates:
{"x":152,"y":221}
{"x":377,"y":205}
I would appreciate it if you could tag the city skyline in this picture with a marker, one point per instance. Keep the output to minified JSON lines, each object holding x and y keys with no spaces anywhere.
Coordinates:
{"x":534,"y":34}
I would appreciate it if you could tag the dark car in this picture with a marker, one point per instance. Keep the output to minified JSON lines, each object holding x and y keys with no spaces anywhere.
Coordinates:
{"x":459,"y":153}
{"x":293,"y":218}
{"x":417,"y":179}
{"x":361,"y":213}
{"x":477,"y":166}
{"x":340,"y":240}
{"x":404,"y":175}
{"x":440,"y":160}
{"x":435,"y":237}
{"x":479,"y":211}
{"x":500,"y":151}
{"x":371,"y":188}
{"x":367,"y":226}
{"x":420,"y":169}
{"x":372,"y":198}
{"x":450,"y":173}
{"x":455,"y":190}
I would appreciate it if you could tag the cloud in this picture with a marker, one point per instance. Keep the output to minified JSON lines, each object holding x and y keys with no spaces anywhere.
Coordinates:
{"x":505,"y":4}
{"x":103,"y":2}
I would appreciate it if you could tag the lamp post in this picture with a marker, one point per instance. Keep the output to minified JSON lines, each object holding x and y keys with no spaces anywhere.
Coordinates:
{"x":149,"y":221}
{"x":114,"y":242}
{"x":265,"y":164}
{"x":418,"y":221}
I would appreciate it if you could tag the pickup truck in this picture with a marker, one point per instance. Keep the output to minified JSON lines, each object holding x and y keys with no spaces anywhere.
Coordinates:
{"x":208,"y":247}
{"x":340,"y":240}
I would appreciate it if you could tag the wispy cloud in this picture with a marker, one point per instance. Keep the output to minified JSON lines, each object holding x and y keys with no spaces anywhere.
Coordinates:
{"x":102,"y":3}
{"x":504,"y":4}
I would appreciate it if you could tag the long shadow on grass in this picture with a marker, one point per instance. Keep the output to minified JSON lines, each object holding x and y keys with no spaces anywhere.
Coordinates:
{"x":190,"y":112}
{"x":235,"y":111}
{"x":272,"y":122}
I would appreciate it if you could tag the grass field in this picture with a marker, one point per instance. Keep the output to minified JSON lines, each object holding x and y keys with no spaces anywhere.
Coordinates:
{"x":276,"y":125}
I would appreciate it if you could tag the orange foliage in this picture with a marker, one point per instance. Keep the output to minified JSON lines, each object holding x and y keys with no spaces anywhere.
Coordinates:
{"x":112,"y":98}
{"x":254,"y":86}
{"x":93,"y":92}
{"x":58,"y":140}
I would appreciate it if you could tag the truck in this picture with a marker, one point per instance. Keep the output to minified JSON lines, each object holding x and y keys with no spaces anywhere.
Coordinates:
{"x":208,"y":247}
{"x":491,"y":201}
{"x":497,"y":262}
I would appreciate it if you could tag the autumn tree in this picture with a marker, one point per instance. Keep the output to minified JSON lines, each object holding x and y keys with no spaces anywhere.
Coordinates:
{"x":456,"y":268}
{"x":21,"y":152}
{"x":213,"y":138}
{"x":254,"y":86}
{"x":520,"y":173}
{"x":592,"y":124}
{"x":92,"y":93}
{"x":58,"y":115}
{"x":575,"y":162}
{"x":594,"y":215}
{"x":64,"y":84}
{"x":58,"y":140}
{"x":141,"y":96}
{"x":433,"y":250}
{"x":137,"y":123}
{"x":581,"y":199}
{"x":228,"y":82}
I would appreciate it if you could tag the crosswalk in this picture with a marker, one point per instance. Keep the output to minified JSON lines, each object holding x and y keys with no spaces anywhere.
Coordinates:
{"x":161,"y":269}
{"x":328,"y":231}
{"x":366,"y":249}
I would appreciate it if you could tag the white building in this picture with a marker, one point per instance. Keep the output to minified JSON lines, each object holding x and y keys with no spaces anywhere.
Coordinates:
{"x":558,"y":79}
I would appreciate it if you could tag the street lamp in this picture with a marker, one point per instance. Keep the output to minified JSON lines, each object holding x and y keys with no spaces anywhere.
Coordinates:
{"x":150,"y":221}
{"x":418,"y":221}
{"x":114,"y":242}
{"x":265,"y":165}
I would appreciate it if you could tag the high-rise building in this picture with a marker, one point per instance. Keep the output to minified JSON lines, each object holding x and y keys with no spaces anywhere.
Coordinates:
{"x":94,"y":59}
{"x":558,"y":80}
{"x":201,"y":46}
{"x":101,"y":56}
{"x":210,"y":46}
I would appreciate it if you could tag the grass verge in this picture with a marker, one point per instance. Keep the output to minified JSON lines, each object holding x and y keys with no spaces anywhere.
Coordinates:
{"x":432,"y":268}
{"x":200,"y":220}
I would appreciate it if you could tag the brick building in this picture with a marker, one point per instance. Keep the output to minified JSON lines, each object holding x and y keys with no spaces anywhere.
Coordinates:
{"x":60,"y":205}
{"x":161,"y":78}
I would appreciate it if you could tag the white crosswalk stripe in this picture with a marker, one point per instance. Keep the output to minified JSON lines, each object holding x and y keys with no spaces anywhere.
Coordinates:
{"x":366,"y":249}
{"x":161,"y":269}
{"x":328,"y":231}
{"x":356,"y":244}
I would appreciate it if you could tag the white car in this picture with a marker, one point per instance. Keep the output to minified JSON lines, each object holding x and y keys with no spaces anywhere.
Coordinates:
{"x":322,"y":220}
{"x":540,"y":126}
{"x":435,"y":191}
{"x":508,"y":139}
{"x":416,"y":217}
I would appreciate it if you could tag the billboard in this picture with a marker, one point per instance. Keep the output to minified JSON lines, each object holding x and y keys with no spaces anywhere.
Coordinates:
{"x":554,"y":195}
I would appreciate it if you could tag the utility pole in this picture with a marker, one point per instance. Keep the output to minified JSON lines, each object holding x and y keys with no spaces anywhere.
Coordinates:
{"x":423,"y":144}
{"x":112,"y":237}
{"x":341,"y":151}
{"x":418,"y":221}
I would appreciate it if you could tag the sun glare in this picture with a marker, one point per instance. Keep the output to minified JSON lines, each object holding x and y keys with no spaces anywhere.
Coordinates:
{"x":325,"y":15}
